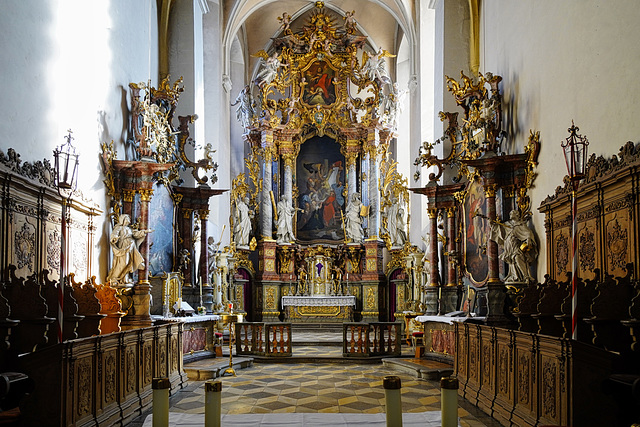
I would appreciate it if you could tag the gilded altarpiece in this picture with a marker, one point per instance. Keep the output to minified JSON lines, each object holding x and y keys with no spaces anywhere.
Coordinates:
{"x":318,"y":118}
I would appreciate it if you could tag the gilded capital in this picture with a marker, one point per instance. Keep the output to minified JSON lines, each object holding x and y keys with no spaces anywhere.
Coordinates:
{"x":433,"y":213}
{"x":204,"y":214}
{"x":145,"y":195}
{"x":451,"y":212}
{"x":128,"y":195}
{"x":289,"y":159}
{"x":186,"y":212}
{"x":490,"y":190}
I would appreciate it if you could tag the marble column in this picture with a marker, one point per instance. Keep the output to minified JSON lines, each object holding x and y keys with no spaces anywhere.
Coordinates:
{"x":451,"y":249}
{"x":205,"y":277}
{"x":142,"y":288}
{"x":288,"y":177}
{"x":352,"y":179}
{"x":492,"y":246}
{"x":374,"y":193}
{"x":432,"y":289}
{"x":128,"y":196}
{"x":267,"y":208}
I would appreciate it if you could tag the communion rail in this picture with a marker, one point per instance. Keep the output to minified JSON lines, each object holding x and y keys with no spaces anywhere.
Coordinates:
{"x":263,"y":339}
{"x":371,"y":339}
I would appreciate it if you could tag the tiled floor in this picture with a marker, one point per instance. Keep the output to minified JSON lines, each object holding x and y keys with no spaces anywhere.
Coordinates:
{"x":317,"y":388}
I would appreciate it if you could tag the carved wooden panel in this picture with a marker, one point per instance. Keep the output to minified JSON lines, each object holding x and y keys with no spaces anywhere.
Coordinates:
{"x":540,"y":380}
{"x":606,"y":223}
{"x":94,"y":381}
{"x":526,"y":379}
{"x":487,"y":368}
{"x":31,"y":219}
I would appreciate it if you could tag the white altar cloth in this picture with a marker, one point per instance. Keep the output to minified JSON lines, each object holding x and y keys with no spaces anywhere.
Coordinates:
{"x":319,"y":301}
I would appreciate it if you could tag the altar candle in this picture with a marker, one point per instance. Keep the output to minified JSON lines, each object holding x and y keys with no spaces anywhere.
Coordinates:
{"x":179,"y":303}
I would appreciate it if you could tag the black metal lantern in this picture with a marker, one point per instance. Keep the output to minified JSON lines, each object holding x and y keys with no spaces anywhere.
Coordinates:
{"x":66,"y":164}
{"x":575,"y":153}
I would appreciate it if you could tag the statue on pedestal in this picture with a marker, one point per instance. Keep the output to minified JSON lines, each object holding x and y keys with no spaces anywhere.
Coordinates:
{"x":353,"y":220}
{"x":242,"y":222}
{"x":284,"y":223}
{"x":396,"y":225}
{"x":246,"y":109}
{"x":519,"y":247}
{"x":124,"y":243}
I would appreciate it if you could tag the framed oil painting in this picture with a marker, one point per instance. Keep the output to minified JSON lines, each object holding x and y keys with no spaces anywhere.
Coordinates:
{"x":320,"y":177}
{"x":476,"y":233}
{"x":319,"y":84}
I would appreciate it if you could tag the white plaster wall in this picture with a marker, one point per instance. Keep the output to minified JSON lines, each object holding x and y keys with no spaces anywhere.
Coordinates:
{"x":563,"y":61}
{"x":67,"y":64}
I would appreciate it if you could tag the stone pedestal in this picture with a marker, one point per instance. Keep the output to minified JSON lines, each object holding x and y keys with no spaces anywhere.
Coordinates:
{"x":496,"y":299}
{"x":431,"y":297}
{"x":207,"y":298}
{"x":449,"y":299}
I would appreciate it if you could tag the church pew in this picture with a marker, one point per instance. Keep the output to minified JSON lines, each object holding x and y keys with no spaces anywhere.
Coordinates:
{"x":29,"y":307}
{"x":110,"y":306}
{"x":609,"y":307}
{"x":586,"y":291}
{"x":70,"y":310}
{"x":633,"y":322}
{"x":88,"y":306}
{"x":527,"y":306}
{"x":552,"y":295}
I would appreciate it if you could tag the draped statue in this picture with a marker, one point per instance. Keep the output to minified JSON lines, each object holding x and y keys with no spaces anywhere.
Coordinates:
{"x":125,"y":243}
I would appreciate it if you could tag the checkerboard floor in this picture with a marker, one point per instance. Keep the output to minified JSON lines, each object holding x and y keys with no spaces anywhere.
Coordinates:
{"x":295,"y":388}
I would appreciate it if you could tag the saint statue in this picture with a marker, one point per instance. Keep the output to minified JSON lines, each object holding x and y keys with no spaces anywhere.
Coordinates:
{"x":242,"y":222}
{"x":284,"y":224}
{"x":124,"y":243}
{"x":396,"y":226}
{"x":353,"y":220}
{"x":246,"y":108}
{"x":519,"y":247}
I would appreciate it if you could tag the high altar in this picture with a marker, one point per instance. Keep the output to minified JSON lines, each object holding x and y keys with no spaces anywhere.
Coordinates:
{"x":318,"y":120}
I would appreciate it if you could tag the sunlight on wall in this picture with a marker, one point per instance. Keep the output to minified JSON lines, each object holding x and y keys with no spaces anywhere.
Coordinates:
{"x":79,"y":77}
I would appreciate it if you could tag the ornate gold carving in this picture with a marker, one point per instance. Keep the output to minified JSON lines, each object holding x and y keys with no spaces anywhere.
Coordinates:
{"x":145,"y":195}
{"x":490,"y":190}
{"x":128,"y":195}
{"x":371,"y":299}
{"x":242,"y":260}
{"x":270,"y":298}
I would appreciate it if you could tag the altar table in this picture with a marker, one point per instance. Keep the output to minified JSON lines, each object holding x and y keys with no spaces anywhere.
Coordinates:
{"x":319,"y":309}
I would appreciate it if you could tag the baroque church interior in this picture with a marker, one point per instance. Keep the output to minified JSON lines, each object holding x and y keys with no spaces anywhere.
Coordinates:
{"x":361,"y":191}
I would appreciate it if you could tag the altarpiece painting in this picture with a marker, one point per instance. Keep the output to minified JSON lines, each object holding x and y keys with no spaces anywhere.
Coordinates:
{"x":320,"y":180}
